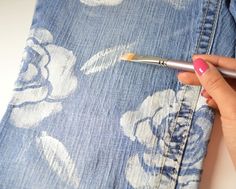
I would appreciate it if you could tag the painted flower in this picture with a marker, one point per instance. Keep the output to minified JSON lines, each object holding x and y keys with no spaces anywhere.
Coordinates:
{"x":46,"y":78}
{"x":149,"y":125}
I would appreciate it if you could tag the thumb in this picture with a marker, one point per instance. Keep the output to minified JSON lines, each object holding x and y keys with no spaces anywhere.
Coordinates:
{"x":215,"y":85}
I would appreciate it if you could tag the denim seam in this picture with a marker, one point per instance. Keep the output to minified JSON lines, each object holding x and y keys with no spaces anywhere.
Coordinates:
{"x":177,"y":164}
{"x":193,"y":106}
{"x":218,"y":8}
{"x":168,"y":138}
{"x":185,"y":134}
{"x":202,"y":27}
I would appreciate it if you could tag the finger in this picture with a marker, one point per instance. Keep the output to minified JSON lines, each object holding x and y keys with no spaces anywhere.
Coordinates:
{"x":188,"y":78}
{"x":211,"y":103}
{"x":205,"y":94}
{"x":215,"y":85}
{"x":220,"y":61}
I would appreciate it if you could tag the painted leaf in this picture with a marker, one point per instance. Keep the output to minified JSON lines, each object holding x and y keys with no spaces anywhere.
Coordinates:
{"x":58,"y":159}
{"x":104,"y":59}
{"x":30,"y":115}
{"x":101,"y":2}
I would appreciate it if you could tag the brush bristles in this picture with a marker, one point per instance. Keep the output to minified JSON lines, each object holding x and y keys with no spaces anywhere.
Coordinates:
{"x":127,"y":56}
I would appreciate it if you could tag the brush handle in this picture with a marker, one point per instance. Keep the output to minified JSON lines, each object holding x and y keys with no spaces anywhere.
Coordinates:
{"x":187,"y":66}
{"x":176,"y":64}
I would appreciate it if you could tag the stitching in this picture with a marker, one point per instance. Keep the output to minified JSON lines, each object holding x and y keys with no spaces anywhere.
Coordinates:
{"x":182,"y":145}
{"x":208,"y":49}
{"x":214,"y":26}
{"x":188,"y":122}
{"x":202,"y":27}
{"x":175,"y":124}
{"x":166,"y":147}
{"x":185,"y":87}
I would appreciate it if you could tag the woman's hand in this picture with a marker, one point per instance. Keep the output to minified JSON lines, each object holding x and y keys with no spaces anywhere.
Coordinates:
{"x":220,"y":93}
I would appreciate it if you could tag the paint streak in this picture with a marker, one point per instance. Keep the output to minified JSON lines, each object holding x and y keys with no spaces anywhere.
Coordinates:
{"x":59,"y":160}
{"x":29,"y":95}
{"x":41,"y":35}
{"x":144,"y":134}
{"x":139,"y":178}
{"x":60,"y":69}
{"x":101,"y":2}
{"x":201,"y":102}
{"x":155,"y":160}
{"x":29,"y":115}
{"x":29,"y":74}
{"x":178,"y":4}
{"x":104,"y":59}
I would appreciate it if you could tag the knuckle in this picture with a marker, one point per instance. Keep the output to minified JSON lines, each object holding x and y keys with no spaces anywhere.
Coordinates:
{"x":213,"y":83}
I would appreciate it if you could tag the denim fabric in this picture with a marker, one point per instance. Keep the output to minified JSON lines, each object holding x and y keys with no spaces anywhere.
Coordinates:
{"x":81,"y":118}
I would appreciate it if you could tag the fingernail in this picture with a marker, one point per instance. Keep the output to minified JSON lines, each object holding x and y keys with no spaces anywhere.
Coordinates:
{"x":200,"y":66}
{"x":203,"y":91}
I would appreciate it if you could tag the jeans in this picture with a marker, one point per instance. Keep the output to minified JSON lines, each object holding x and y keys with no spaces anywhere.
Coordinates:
{"x":82,"y":118}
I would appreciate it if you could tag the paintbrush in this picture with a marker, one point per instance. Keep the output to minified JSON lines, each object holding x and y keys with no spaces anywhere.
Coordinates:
{"x":176,"y":64}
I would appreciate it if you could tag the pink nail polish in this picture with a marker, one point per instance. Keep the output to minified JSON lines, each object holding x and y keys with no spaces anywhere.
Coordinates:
{"x":200,"y":66}
{"x":202,"y":93}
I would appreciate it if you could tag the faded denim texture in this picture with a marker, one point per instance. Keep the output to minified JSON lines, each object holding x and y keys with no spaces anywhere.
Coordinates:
{"x":81,"y":118}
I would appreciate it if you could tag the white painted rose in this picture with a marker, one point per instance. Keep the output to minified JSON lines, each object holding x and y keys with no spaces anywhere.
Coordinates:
{"x":155,"y":114}
{"x":45,"y":79}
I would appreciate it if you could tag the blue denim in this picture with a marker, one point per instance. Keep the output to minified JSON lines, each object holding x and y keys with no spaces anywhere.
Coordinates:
{"x":81,"y":118}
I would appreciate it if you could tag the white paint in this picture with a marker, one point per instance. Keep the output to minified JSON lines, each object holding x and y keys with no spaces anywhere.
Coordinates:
{"x":101,"y":2}
{"x":59,"y":160}
{"x":57,"y":67}
{"x":192,"y":179}
{"x":29,"y":74}
{"x":104,"y":59}
{"x":32,"y":69}
{"x":42,"y":35}
{"x":165,"y":101}
{"x":178,"y":4}
{"x":29,"y":95}
{"x":205,"y":124}
{"x":188,"y":92}
{"x":201,"y":102}
{"x":30,"y":115}
{"x":60,"y":68}
{"x":138,"y":178}
{"x":145,"y":136}
{"x":37,"y":47}
{"x":156,"y":160}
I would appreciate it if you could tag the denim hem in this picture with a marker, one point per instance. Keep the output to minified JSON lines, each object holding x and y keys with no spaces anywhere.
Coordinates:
{"x":204,"y":45}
